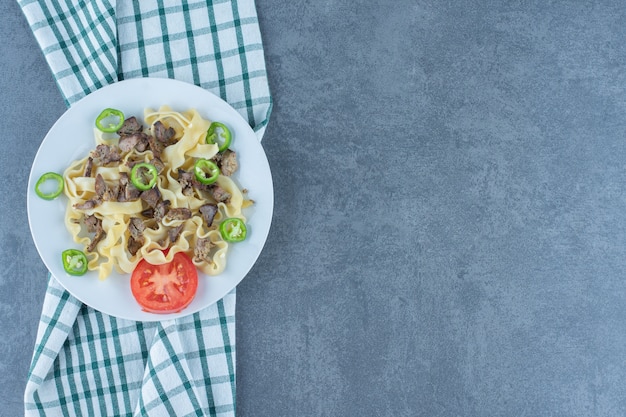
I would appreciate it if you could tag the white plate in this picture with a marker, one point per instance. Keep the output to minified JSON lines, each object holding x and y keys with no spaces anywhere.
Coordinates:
{"x":72,"y":138}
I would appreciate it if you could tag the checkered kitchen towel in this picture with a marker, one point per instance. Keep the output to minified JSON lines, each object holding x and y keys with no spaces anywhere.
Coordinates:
{"x":87,"y":363}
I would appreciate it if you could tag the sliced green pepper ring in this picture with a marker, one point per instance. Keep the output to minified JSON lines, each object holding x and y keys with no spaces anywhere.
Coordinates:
{"x":233,"y":230}
{"x":143,"y":176}
{"x":54,"y":193}
{"x":74,"y":262}
{"x":212,"y":136}
{"x":206,"y":171}
{"x":106,"y":121}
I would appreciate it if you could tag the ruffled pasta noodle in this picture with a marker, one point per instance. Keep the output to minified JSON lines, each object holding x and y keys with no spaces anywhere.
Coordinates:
{"x":112,"y":253}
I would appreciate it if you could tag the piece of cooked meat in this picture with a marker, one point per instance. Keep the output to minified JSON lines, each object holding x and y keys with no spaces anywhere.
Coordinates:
{"x":219,"y":194}
{"x":103,"y":191}
{"x":208,"y":212}
{"x":174,"y":233}
{"x":101,"y":186}
{"x":130,"y":127}
{"x":134,"y":245}
{"x":161,"y":210}
{"x":106,"y":153}
{"x":99,"y":235}
{"x":155,"y":146}
{"x":138,"y":141}
{"x":142,"y":145}
{"x":91,"y":222}
{"x":163,"y":134}
{"x":151,"y":196}
{"x":228,"y":162}
{"x":180,"y":213}
{"x":126,"y":190}
{"x":136,"y":227}
{"x":88,"y":167}
{"x":136,"y":239}
{"x":87,"y":205}
{"x":158,"y":164}
{"x":202,"y":250}
{"x":186,"y":181}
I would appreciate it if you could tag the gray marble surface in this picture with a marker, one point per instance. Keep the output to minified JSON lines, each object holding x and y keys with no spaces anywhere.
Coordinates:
{"x":449,"y":235}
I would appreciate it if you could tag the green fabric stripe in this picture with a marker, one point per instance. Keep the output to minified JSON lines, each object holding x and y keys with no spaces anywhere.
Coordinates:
{"x":36,"y":379}
{"x":107,"y":361}
{"x":185,"y":62}
{"x":242,"y":104}
{"x":142,"y":341}
{"x":94,"y":356}
{"x":81,"y":338}
{"x":227,"y":346}
{"x":139,"y":28}
{"x":237,"y":79}
{"x":71,"y":379}
{"x":227,"y":53}
{"x":190,"y":325}
{"x":58,"y":383}
{"x":82,"y":359}
{"x":120,"y":359}
{"x":95,"y":364}
{"x":49,"y":329}
{"x":200,"y":31}
{"x":61,"y":326}
{"x":226,"y":408}
{"x":64,"y":74}
{"x":216,"y":47}
{"x":154,"y":377}
{"x":244,"y":63}
{"x":87,"y":395}
{"x":266,"y":119}
{"x":38,"y":404}
{"x":142,"y":405}
{"x":191,"y":43}
{"x":83,"y":54}
{"x":165,"y":40}
{"x":108,"y":5}
{"x":49,"y":352}
{"x":66,"y":52}
{"x":104,"y":23}
{"x":215,"y":351}
{"x":57,"y":291}
{"x":170,"y":9}
{"x":207,"y":382}
{"x":164,"y":337}
{"x":94,"y":22}
{"x":219,"y":379}
{"x":209,"y":85}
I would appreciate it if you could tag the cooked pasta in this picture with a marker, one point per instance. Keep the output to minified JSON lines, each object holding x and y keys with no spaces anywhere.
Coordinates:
{"x":119,"y":225}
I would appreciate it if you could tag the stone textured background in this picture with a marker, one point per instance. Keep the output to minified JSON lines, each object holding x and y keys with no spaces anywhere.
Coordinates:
{"x":450,"y":221}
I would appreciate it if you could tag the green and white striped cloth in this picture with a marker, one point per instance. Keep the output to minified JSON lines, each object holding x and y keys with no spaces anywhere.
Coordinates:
{"x":87,"y":363}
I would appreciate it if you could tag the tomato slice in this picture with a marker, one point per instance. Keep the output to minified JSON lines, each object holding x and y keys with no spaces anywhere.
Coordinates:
{"x":166,"y":288}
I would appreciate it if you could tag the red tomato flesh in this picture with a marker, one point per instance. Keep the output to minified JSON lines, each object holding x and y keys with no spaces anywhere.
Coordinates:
{"x":166,"y":288}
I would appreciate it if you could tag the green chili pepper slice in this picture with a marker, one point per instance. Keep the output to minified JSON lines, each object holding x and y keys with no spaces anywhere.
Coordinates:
{"x":233,"y":230}
{"x":212,"y":136}
{"x":143,"y":176}
{"x":206,"y":171}
{"x":54,"y":193}
{"x":74,"y":262}
{"x":104,"y":121}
